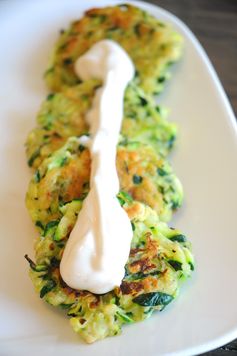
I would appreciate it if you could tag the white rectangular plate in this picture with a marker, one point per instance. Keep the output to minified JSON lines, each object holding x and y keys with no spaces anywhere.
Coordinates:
{"x":205,"y":314}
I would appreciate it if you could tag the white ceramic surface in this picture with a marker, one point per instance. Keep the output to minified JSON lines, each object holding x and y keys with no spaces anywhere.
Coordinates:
{"x":205,"y":315}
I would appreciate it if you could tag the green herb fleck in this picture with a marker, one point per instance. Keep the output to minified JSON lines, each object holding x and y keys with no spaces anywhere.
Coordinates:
{"x":137,"y":179}
{"x":161,"y":79}
{"x":65,"y":306}
{"x":50,"y":96}
{"x":124,"y":317}
{"x":67,"y":61}
{"x":179,"y":238}
{"x":63,"y":161}
{"x":39,"y":224}
{"x":50,"y":224}
{"x":175,"y":264}
{"x":158,"y":109}
{"x":33,"y":157}
{"x":171,"y":141}
{"x":161,"y":172}
{"x":123,"y":198}
{"x":137,"y":29}
{"x":47,"y":288}
{"x":81,"y":148}
{"x":153,"y":299}
{"x":143,"y":101}
{"x":175,"y":205}
{"x":37,"y":176}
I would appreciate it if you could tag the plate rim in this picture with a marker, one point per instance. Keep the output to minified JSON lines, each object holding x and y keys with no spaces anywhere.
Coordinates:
{"x":232,"y":334}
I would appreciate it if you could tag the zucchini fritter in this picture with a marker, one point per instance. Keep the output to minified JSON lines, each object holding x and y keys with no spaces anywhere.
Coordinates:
{"x":65,"y":176}
{"x":63,"y":115}
{"x":146,"y":122}
{"x":152,"y":45}
{"x":160,"y":259}
{"x":148,"y":178}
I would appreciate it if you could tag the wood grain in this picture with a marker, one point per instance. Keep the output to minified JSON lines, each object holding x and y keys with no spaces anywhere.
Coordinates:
{"x":214,"y":22}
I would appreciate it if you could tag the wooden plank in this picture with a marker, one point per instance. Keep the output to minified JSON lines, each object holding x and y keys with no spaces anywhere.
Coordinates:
{"x":215,"y":25}
{"x":226,"y":350}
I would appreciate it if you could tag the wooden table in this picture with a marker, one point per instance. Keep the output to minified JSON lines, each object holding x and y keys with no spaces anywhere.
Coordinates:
{"x":214,"y":22}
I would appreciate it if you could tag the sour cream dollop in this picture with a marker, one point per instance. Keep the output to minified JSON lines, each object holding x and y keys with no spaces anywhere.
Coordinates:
{"x":98,"y":246}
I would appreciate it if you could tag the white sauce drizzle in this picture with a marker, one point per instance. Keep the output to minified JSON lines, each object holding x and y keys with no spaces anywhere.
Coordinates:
{"x":98,"y":247}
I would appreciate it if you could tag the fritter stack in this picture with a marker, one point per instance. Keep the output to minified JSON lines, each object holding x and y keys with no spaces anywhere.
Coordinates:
{"x":160,"y":258}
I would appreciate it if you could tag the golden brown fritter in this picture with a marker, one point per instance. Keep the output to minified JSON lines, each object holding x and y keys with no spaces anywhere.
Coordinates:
{"x":65,"y":175}
{"x":160,"y":260}
{"x":152,"y":45}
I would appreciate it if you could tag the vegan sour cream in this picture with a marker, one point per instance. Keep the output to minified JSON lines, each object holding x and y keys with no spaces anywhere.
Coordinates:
{"x":98,"y":246}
